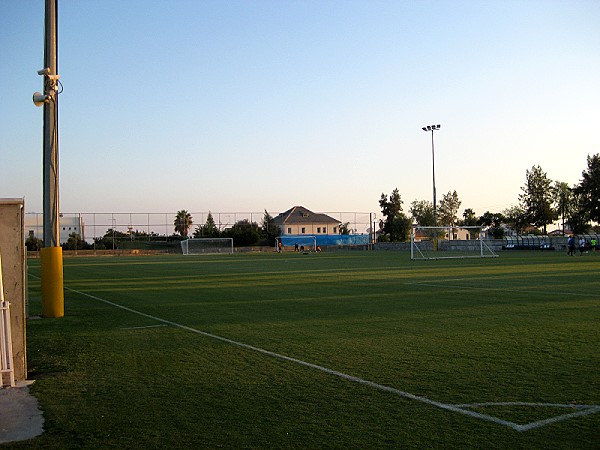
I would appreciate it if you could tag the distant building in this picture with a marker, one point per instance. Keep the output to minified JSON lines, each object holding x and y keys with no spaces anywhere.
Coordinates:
{"x":299,"y":220}
{"x":34,"y":226}
{"x":462,"y":234}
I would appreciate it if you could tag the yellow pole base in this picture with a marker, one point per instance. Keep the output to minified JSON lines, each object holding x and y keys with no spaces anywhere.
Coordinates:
{"x":53,"y":293}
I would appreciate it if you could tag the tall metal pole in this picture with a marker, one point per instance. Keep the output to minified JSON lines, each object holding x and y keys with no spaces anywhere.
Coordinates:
{"x":51,"y":208}
{"x":433,"y":128}
{"x":51,"y":254}
{"x":433,"y":166}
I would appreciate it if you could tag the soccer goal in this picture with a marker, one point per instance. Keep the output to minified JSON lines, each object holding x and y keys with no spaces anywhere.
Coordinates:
{"x":449,"y":242}
{"x":199,"y":246}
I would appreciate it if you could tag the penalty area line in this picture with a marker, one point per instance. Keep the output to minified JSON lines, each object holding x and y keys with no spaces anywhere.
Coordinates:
{"x":381,"y":387}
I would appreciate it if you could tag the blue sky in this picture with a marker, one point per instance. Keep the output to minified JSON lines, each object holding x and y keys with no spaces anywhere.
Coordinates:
{"x":253,"y":105}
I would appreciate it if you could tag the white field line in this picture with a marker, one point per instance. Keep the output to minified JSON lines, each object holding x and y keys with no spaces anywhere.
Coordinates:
{"x":147,"y":326}
{"x":439,"y":284}
{"x":551,"y":420}
{"x":546,"y":405}
{"x":581,"y":410}
{"x":449,"y":407}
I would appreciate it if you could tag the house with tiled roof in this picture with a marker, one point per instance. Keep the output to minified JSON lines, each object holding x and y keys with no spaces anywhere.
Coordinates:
{"x":299,"y":220}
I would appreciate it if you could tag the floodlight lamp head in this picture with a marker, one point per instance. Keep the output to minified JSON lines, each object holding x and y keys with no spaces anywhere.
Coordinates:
{"x":39,"y":99}
{"x":44,"y":72}
{"x":424,"y":128}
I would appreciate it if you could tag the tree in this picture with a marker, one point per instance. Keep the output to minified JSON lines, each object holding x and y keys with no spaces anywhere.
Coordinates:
{"x":33,"y":244}
{"x":422,"y":212}
{"x":209,"y":229}
{"x":400,"y":228}
{"x":448,"y":209}
{"x":183,"y":221}
{"x":588,"y":189}
{"x":563,"y":200}
{"x":110,"y":240}
{"x":536,"y":199}
{"x":270,"y":231}
{"x":243,"y":233}
{"x":393,"y":207}
{"x":577,"y":215}
{"x":344,"y":228}
{"x":396,"y":224}
{"x":516,"y":218}
{"x":494,"y":223}
{"x":74,"y":242}
{"x":469,"y":218}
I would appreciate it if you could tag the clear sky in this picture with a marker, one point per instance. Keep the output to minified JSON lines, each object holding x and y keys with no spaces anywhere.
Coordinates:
{"x":246,"y":105}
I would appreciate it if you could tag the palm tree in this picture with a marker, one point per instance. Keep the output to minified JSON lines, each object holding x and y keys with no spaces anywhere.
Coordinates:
{"x":183,"y":222}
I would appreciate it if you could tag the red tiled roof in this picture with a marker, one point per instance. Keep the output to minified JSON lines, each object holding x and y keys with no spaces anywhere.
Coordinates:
{"x":301,"y":215}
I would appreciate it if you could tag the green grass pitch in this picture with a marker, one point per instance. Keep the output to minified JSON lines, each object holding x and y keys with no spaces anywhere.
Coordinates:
{"x":331,"y":350}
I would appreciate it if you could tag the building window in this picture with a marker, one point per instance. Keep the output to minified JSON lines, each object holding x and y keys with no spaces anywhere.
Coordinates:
{"x":334,"y":230}
{"x":303,"y":230}
{"x":325,"y":230}
{"x":318,"y":229}
{"x":289,"y":231}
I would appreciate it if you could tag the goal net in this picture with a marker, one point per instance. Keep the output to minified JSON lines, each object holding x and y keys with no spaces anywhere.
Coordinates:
{"x":448,"y":242}
{"x":198,"y":246}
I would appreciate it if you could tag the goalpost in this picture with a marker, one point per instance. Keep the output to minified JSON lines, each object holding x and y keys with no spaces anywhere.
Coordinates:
{"x":200,"y":246}
{"x":448,"y":242}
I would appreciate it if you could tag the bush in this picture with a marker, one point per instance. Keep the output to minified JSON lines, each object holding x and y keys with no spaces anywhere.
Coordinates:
{"x":243,"y":233}
{"x":33,"y":244}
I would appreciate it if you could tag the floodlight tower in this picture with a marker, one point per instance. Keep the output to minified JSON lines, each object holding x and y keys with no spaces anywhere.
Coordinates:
{"x":433,"y":128}
{"x":51,"y":254}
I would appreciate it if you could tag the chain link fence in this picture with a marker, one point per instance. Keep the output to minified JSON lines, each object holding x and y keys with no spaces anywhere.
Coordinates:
{"x":160,"y":226}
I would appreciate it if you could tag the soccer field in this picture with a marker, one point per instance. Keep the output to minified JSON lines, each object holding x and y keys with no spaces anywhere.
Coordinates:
{"x":331,"y":350}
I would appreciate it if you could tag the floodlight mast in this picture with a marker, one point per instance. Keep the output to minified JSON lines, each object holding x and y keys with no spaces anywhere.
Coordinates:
{"x":51,"y":255}
{"x":51,"y":207}
{"x":433,"y":128}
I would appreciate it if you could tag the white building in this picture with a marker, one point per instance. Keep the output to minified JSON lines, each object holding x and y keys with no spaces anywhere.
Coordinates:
{"x":299,"y":220}
{"x":34,"y":226}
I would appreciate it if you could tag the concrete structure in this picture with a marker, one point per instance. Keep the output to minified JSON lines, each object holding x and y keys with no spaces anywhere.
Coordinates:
{"x":12,"y":246}
{"x":299,"y":220}
{"x":34,"y":226}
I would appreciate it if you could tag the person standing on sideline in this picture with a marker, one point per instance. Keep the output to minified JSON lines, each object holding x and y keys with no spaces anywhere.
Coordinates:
{"x":279,"y":246}
{"x":593,"y":243}
{"x":581,"y":245}
{"x":571,"y":246}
